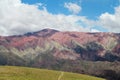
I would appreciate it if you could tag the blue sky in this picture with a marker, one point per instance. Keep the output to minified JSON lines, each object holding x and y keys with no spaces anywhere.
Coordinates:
{"x":90,"y":8}
{"x":63,"y":15}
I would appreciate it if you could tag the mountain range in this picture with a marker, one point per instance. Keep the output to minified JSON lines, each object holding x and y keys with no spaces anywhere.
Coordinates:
{"x":49,"y":48}
{"x":64,"y":45}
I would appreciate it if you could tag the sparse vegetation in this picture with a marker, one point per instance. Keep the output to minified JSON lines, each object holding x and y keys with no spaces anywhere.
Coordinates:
{"x":24,"y":73}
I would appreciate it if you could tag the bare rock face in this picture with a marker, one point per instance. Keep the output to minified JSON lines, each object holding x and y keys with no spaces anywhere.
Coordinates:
{"x":63,"y":45}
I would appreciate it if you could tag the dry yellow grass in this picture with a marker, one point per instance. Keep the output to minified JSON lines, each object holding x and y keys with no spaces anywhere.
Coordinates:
{"x":24,"y":73}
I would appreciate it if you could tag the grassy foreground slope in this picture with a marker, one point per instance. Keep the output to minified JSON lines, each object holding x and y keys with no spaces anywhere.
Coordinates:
{"x":24,"y":73}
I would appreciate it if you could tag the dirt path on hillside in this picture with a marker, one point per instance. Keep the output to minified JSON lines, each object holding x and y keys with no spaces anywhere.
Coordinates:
{"x":60,"y":76}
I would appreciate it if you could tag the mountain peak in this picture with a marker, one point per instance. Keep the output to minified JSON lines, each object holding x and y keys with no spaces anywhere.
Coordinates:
{"x":48,"y":30}
{"x":43,"y":33}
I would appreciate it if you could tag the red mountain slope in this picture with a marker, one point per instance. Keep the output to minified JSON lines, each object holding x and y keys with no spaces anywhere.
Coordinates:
{"x":66,"y":45}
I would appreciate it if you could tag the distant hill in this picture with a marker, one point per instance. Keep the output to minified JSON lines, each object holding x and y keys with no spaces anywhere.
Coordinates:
{"x":63,"y":45}
{"x":96,"y":54}
{"x":24,"y":73}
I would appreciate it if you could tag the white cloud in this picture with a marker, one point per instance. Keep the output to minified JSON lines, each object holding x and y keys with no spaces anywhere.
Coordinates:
{"x":111,"y":21}
{"x":72,"y":7}
{"x":19,"y":18}
{"x":94,"y":30}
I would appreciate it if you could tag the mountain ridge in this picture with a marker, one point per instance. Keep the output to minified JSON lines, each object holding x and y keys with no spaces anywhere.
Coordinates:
{"x":96,"y":54}
{"x":74,"y":44}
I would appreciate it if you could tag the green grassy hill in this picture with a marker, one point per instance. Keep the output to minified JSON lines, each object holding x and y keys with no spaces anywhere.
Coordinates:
{"x":24,"y":73}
